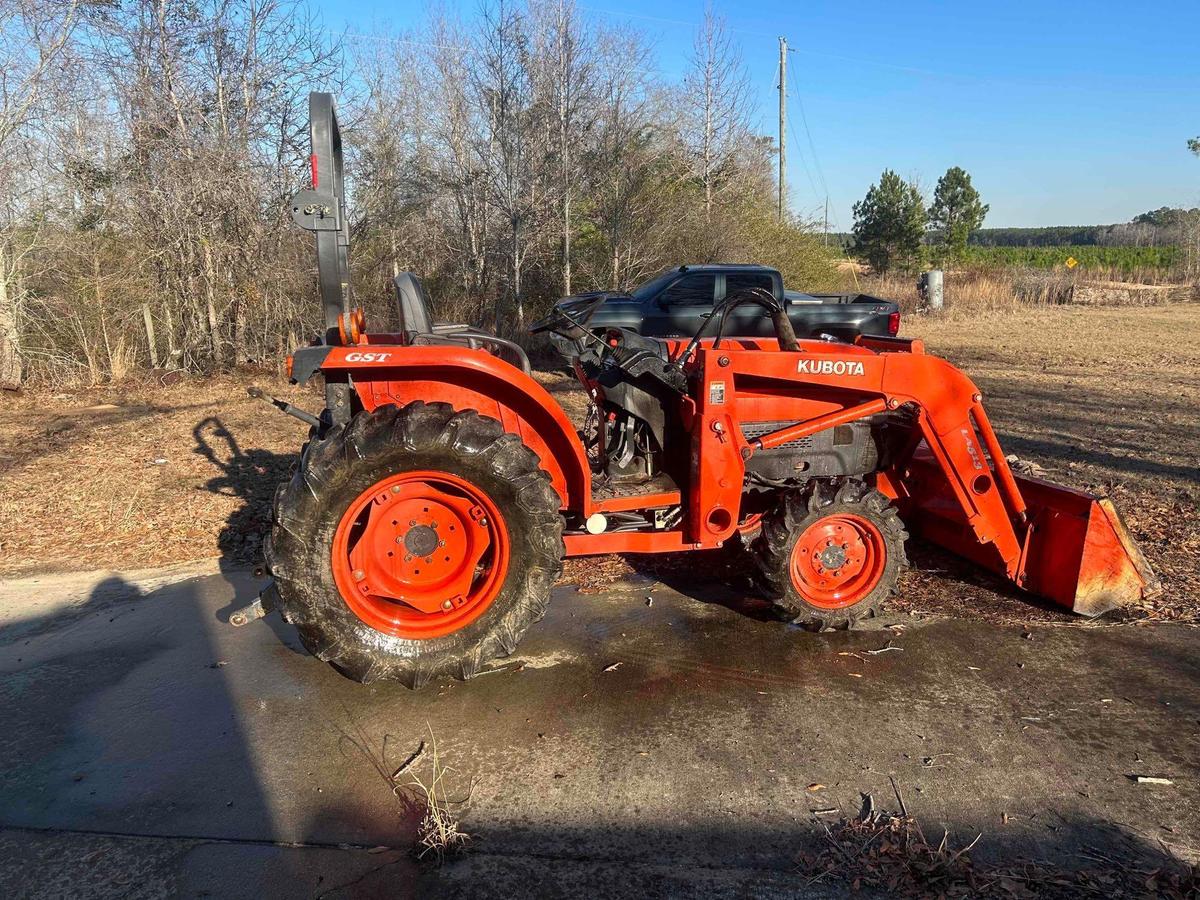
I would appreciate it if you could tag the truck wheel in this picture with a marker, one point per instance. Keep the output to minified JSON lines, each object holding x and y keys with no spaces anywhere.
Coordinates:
{"x":829,"y":556}
{"x":416,"y":542}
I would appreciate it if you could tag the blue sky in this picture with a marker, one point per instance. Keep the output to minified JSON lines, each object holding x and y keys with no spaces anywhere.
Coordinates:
{"x":1064,"y":113}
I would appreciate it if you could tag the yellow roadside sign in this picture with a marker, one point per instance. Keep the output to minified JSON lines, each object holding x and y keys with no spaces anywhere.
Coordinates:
{"x":1072,"y":262}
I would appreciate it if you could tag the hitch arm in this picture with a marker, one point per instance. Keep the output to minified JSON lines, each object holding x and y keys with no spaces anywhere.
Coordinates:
{"x":284,"y":407}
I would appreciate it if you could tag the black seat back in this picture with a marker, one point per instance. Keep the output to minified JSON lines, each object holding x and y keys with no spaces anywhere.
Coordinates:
{"x":413,"y":305}
{"x":417,"y":326}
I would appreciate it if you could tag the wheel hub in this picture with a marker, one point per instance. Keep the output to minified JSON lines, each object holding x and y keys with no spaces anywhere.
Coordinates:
{"x":421,"y":540}
{"x":832,"y":557}
{"x":838,"y":560}
{"x":420,"y":554}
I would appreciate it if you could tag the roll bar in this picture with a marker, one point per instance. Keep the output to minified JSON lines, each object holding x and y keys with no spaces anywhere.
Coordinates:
{"x":322,"y":210}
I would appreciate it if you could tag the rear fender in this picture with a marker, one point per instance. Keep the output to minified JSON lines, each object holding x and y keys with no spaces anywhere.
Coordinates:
{"x":473,"y":379}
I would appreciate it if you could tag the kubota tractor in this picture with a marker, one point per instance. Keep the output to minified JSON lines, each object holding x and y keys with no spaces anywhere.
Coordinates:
{"x":442,"y":486}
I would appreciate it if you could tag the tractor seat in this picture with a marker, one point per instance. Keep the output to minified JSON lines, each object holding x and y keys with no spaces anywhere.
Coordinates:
{"x":418,"y":328}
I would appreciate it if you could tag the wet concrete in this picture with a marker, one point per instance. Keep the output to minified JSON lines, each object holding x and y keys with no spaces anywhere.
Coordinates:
{"x":150,"y":749}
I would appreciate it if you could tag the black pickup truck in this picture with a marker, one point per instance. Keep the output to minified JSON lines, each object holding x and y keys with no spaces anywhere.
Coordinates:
{"x":676,"y":303}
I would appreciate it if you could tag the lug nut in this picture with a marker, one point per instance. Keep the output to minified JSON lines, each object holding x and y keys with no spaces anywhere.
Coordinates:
{"x":412,"y":523}
{"x":483,"y":522}
{"x":428,"y":559}
{"x":446,"y":604}
{"x":395,"y":488}
{"x":359,"y":574}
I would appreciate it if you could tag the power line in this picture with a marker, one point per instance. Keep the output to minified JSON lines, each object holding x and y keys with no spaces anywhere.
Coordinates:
{"x":808,"y":134}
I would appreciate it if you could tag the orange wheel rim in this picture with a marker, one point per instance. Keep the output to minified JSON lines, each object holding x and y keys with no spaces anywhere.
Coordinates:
{"x":420,"y":554}
{"x":838,"y":561}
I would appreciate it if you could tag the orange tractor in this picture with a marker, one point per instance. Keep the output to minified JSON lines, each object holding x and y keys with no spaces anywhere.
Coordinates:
{"x":442,"y":486}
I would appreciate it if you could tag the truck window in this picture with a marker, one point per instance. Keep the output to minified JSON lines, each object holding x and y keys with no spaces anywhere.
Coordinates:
{"x":736,"y":282}
{"x":691,"y":290}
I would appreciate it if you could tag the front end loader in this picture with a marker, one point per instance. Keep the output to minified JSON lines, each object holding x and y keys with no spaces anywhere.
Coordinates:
{"x":442,"y":486}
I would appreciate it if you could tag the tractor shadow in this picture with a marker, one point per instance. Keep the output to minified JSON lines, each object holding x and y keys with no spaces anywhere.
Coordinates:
{"x":721,"y":577}
{"x":251,"y":476}
{"x":937,"y":584}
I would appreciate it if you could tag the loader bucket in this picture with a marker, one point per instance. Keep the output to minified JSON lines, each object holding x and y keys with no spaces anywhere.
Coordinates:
{"x":1079,"y":553}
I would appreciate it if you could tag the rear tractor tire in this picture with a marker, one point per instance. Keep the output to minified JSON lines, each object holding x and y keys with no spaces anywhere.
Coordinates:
{"x":415,"y":543}
{"x":830,"y":555}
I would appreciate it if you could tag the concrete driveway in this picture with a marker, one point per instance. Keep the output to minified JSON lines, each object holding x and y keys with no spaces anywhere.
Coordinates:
{"x":150,"y":749}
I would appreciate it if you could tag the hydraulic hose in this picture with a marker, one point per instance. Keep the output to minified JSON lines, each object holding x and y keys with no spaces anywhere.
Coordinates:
{"x":784,"y":331}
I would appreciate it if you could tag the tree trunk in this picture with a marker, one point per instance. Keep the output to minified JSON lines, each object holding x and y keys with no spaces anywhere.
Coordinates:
{"x":214,"y":327}
{"x":567,"y":243}
{"x":150,"y":342}
{"x":518,"y":307}
{"x":11,"y":368}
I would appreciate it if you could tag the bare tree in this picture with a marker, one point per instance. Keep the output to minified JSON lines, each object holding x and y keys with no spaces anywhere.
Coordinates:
{"x":151,"y":147}
{"x":567,"y":73}
{"x":624,"y":159}
{"x":34,"y":34}
{"x":504,"y":91}
{"x":717,"y":98}
{"x":215,"y":110}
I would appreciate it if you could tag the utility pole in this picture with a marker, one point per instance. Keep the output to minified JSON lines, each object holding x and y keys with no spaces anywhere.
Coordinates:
{"x":826,"y":220}
{"x":782,"y":123}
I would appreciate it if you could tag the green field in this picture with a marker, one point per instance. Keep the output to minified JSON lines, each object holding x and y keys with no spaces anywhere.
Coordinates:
{"x":1119,"y":259}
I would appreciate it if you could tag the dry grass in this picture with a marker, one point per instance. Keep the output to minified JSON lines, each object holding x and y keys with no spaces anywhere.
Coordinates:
{"x":1014,"y":290}
{"x":141,"y":474}
{"x":977,"y":290}
{"x":426,"y":808}
{"x":438,"y":833}
{"x":889,"y":852}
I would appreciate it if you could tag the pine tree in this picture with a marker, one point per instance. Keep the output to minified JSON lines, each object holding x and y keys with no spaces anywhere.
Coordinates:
{"x":956,"y":211}
{"x":889,"y":224}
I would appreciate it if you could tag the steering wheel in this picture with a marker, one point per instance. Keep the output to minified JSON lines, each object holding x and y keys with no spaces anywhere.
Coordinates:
{"x":554,"y":320}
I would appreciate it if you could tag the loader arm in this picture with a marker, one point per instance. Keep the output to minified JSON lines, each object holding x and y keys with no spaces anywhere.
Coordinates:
{"x":952,"y":483}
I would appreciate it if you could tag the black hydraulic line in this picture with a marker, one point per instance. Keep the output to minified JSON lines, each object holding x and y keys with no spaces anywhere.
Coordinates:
{"x":784,"y":331}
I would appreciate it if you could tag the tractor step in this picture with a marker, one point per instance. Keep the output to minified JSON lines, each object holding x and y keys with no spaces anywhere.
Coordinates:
{"x":658,"y":491}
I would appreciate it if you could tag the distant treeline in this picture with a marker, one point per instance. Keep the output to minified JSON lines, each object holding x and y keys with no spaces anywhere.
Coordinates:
{"x":1127,"y":260}
{"x":1050,"y":236}
{"x":1163,"y":228}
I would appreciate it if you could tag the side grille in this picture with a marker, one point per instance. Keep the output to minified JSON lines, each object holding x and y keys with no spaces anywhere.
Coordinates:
{"x":754,"y":430}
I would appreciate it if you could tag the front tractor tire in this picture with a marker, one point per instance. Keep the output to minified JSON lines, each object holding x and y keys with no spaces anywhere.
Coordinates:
{"x":415,"y":543}
{"x":829,"y":556}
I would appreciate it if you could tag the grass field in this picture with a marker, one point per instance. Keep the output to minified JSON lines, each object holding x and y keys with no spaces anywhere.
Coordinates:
{"x":1123,"y":260}
{"x":142,"y":474}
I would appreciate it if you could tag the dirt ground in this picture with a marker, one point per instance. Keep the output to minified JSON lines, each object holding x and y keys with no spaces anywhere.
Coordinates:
{"x":149,"y":473}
